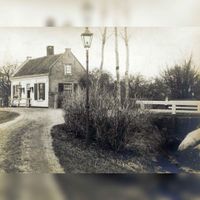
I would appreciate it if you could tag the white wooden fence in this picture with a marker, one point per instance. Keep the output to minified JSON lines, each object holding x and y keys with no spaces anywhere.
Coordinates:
{"x":172,"y":107}
{"x":23,"y":102}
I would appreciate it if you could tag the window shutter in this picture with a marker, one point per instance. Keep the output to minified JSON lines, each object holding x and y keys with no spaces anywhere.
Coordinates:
{"x":43,"y":91}
{"x":35,"y":91}
{"x":13,"y":90}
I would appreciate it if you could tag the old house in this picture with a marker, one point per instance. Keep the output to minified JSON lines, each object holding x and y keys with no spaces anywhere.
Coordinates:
{"x":45,"y":81}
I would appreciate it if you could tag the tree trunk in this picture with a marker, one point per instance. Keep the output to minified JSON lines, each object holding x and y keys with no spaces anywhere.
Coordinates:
{"x":117,"y":66}
{"x":102,"y":48}
{"x":127,"y":64}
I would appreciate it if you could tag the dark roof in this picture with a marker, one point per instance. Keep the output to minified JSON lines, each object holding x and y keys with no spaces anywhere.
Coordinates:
{"x":37,"y":66}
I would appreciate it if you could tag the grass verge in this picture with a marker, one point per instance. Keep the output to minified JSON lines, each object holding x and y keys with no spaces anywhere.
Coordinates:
{"x":75,"y":157}
{"x":7,"y":116}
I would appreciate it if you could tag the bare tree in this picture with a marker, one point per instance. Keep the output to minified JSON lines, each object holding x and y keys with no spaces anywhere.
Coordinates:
{"x":126,"y":42}
{"x":102,"y":48}
{"x":117,"y":66}
{"x":5,"y":84}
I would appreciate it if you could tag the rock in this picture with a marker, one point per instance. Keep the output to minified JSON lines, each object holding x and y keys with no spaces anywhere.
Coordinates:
{"x":191,"y":140}
{"x":197,"y":148}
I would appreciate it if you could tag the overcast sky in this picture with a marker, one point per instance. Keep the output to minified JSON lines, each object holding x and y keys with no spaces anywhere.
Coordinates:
{"x":151,"y":49}
{"x":100,"y":12}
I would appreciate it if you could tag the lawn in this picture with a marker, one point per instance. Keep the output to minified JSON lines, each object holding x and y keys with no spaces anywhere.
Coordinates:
{"x":76,"y":158}
{"x":7,"y":116}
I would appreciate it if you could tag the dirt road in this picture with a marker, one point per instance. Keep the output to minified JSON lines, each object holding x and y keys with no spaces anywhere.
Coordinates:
{"x":26,"y":145}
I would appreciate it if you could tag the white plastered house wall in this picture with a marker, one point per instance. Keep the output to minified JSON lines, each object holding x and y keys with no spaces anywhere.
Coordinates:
{"x":30,"y":81}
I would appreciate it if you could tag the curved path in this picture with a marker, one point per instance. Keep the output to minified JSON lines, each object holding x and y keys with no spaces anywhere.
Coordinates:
{"x":26,"y":145}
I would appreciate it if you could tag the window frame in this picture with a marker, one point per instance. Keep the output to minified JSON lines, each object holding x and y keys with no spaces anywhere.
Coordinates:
{"x":38,"y":96}
{"x":17,"y":91}
{"x":66,"y":70}
{"x":68,"y":88}
{"x":41,"y":96}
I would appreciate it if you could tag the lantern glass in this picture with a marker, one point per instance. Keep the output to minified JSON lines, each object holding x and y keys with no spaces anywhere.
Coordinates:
{"x":87,"y":38}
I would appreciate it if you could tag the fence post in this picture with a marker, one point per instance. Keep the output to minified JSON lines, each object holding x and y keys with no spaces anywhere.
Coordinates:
{"x":142,"y":106}
{"x":173,"y":108}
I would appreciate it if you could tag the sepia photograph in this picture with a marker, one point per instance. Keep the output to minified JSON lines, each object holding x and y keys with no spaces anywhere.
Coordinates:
{"x":103,"y":100}
{"x":98,"y":101}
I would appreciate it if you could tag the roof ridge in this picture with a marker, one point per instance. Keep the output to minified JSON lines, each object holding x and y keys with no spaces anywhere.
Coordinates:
{"x":39,"y":65}
{"x":46,"y":56}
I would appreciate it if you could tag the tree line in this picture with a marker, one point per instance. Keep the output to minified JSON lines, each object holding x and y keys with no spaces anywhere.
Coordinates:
{"x":180,"y":82}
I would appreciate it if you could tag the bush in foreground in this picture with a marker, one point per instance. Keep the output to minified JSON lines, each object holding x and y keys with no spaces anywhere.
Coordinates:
{"x":112,"y":125}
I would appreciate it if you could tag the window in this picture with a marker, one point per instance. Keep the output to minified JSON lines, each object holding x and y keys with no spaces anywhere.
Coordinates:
{"x":17,"y":91}
{"x":67,"y":69}
{"x":68,"y":89}
{"x":39,"y":91}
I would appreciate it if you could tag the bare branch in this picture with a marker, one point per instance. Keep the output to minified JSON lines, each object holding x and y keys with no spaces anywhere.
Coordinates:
{"x":125,"y":35}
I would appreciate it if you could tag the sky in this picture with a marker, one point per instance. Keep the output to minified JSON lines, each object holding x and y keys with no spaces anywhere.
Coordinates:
{"x":100,"y":12}
{"x":162,"y":33}
{"x":151,"y":49}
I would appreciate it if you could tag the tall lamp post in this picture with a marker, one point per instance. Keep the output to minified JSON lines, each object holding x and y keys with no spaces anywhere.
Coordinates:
{"x":87,"y":40}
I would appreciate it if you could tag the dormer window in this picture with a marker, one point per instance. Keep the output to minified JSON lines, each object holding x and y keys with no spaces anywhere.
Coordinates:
{"x":67,"y":69}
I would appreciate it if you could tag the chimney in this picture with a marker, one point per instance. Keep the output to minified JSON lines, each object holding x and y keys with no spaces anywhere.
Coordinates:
{"x":67,"y":49}
{"x":50,"y":50}
{"x":28,"y":57}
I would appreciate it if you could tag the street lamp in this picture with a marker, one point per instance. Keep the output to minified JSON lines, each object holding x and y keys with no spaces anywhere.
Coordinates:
{"x":87,"y":40}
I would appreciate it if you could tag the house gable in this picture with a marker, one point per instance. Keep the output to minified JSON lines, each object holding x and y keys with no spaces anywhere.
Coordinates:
{"x":57,"y":73}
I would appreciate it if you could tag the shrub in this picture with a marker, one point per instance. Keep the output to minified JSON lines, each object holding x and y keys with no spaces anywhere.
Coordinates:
{"x":143,"y":134}
{"x":75,"y":115}
{"x":182,"y":81}
{"x":110,"y":124}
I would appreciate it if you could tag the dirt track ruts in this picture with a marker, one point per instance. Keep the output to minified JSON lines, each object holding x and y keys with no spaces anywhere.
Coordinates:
{"x":26,"y":145}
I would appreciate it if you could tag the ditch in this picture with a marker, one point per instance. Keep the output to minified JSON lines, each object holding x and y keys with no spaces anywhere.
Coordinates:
{"x":175,"y":128}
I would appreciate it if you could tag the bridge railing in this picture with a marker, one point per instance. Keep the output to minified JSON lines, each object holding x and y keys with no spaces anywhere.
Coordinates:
{"x":172,"y":107}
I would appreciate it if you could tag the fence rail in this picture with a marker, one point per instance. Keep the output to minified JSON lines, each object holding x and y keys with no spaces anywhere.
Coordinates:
{"x":172,"y":107}
{"x":24,"y":102}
